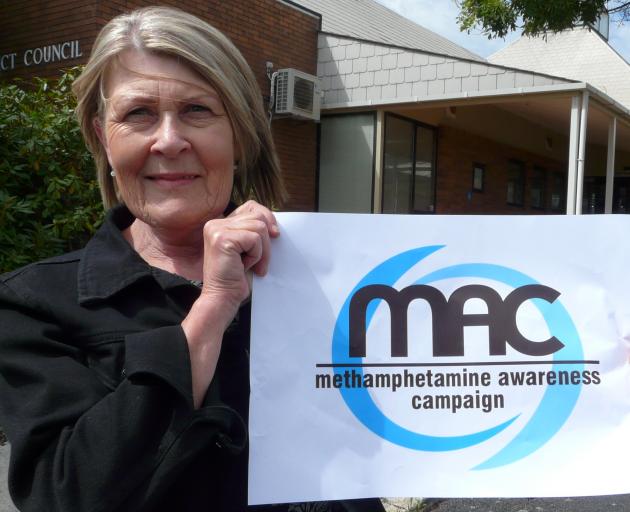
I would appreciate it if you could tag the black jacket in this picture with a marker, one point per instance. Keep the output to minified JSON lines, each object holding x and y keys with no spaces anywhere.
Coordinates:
{"x":96,"y":393}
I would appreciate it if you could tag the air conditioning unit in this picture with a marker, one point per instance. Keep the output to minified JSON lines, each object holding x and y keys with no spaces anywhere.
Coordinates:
{"x":296,"y":94}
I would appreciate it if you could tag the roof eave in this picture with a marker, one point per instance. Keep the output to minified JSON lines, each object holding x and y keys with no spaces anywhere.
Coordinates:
{"x":614,"y":105}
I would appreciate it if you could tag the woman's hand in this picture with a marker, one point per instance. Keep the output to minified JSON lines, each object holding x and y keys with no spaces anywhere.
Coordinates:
{"x":234,"y":247}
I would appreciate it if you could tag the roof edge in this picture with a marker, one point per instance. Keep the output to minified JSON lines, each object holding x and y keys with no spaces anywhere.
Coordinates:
{"x":407,"y":48}
{"x":610,"y":47}
{"x":303,"y":9}
{"x":611,"y":102}
{"x":518,"y":91}
{"x":462,"y":59}
{"x":582,"y":28}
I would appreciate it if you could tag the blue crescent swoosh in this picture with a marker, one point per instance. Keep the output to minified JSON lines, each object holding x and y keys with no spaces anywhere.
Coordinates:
{"x":359,"y":400}
{"x":558,"y":401}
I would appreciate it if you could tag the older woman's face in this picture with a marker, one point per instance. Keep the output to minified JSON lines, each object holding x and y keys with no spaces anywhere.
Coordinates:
{"x":169,"y":140}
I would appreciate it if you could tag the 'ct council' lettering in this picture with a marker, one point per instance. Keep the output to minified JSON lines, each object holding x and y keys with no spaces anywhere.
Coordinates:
{"x":67,"y":50}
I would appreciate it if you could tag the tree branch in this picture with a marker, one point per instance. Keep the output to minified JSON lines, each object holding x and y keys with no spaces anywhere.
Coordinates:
{"x":619,"y":8}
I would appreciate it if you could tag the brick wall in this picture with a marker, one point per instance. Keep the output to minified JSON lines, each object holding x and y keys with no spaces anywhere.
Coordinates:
{"x":264,"y":30}
{"x":34,"y":24}
{"x":296,"y":141}
{"x":458,"y":150}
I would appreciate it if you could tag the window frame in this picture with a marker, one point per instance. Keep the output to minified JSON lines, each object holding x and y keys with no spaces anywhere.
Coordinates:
{"x":415,"y":124}
{"x":318,"y":153}
{"x":523,"y":172}
{"x":563,"y":196}
{"x":478,"y":171}
{"x":538,"y":169}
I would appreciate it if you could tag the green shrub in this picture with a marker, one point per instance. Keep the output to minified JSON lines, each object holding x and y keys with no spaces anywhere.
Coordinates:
{"x":49,"y":198}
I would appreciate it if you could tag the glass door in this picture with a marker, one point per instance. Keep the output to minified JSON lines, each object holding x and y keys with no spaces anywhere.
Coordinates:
{"x":408,"y":167}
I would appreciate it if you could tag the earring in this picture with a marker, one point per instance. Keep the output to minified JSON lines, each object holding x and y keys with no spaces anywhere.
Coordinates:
{"x":235,"y":167}
{"x":112,"y":173}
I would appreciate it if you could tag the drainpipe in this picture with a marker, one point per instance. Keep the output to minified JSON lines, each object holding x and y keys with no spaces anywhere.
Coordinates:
{"x":580,"y":169}
{"x":574,"y":131}
{"x":610,"y":164}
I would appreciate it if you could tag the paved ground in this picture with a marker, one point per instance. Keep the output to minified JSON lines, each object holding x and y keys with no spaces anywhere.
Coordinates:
{"x":596,"y":504}
{"x":5,"y":502}
{"x":620,"y":503}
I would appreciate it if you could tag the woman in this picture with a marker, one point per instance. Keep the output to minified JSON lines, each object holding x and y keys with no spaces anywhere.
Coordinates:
{"x":123,"y":366}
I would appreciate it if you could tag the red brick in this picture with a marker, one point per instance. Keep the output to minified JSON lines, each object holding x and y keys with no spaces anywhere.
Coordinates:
{"x":264,"y":30}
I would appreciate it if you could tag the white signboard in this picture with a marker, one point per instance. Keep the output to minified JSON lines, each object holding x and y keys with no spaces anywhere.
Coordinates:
{"x":445,"y":356}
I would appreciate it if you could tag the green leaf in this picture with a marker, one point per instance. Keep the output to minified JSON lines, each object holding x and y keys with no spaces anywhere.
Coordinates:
{"x":49,"y":197}
{"x":496,"y":18}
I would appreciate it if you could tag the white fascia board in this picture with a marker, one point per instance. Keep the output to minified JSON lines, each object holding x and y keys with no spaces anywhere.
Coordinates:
{"x":607,"y":100}
{"x":518,"y":91}
{"x":302,"y":9}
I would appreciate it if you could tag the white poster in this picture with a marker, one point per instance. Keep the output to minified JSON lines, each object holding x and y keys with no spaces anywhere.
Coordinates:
{"x":443,"y":356}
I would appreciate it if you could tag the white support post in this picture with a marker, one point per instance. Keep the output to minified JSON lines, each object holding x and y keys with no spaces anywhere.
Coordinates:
{"x":581,"y":154}
{"x":573,"y":150}
{"x":378,"y":162}
{"x":610,"y":164}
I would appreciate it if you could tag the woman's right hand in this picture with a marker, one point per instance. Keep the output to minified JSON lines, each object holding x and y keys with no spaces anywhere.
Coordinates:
{"x":234,"y":247}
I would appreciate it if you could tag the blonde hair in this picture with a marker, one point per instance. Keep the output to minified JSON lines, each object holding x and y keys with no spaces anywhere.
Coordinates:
{"x":172,"y":32}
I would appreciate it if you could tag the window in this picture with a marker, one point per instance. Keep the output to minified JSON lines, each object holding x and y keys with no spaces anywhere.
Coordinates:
{"x":408,"y":167}
{"x":346,"y":163}
{"x":424,"y":189}
{"x":516,"y":183}
{"x":558,"y":192}
{"x":602,"y":25}
{"x":478,"y":176}
{"x":538,"y":187}
{"x":621,"y":195}
{"x":398,"y":165}
{"x":593,"y":194}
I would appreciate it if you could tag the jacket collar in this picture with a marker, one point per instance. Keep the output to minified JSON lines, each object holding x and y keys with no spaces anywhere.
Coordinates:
{"x":110,"y":264}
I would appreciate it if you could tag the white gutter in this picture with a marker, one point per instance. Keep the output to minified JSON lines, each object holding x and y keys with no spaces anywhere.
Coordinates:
{"x":617,"y":107}
{"x":574,"y":131}
{"x":581,"y":154}
{"x":302,"y":9}
{"x":610,"y":165}
{"x":604,"y":98}
{"x":518,"y":91}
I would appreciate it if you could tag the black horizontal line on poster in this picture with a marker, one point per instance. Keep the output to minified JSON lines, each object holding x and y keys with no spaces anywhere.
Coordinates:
{"x":472,"y":363}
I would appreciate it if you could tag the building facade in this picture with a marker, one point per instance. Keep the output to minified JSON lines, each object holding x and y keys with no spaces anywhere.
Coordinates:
{"x":42,"y":38}
{"x":510,"y":139}
{"x":410,"y":122}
